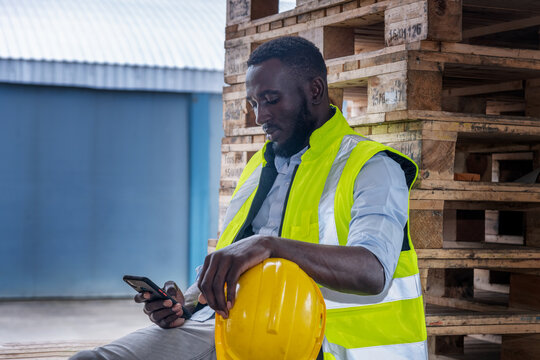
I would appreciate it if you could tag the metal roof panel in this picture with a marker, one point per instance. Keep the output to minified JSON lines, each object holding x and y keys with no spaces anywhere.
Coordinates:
{"x":180,"y":34}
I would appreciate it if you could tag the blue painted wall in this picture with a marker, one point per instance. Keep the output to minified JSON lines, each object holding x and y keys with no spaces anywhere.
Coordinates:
{"x":206,"y":131}
{"x":96,"y":184}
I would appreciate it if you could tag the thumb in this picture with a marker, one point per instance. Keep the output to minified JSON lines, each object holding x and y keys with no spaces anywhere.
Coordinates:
{"x":174,"y":291}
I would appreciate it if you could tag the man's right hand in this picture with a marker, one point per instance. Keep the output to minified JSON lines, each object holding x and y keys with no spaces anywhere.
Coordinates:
{"x":162,"y":312}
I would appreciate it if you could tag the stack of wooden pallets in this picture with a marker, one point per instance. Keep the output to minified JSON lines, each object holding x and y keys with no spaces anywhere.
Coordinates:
{"x":454,"y":84}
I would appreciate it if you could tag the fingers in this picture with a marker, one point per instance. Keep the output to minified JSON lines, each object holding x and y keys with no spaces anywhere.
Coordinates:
{"x":178,"y":322}
{"x":169,"y":321}
{"x":152,"y":306}
{"x":163,"y":314}
{"x":202,"y":299}
{"x":160,"y":315}
{"x":211,"y":283}
{"x":231,"y":291}
{"x":225,"y":267}
{"x":143,"y":297}
{"x":174,"y":291}
{"x":139,"y":298}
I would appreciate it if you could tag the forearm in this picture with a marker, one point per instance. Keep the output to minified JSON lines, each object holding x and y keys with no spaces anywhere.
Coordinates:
{"x":351,"y":269}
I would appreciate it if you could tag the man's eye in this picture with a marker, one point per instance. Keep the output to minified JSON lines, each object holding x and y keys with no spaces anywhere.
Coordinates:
{"x":272,"y":100}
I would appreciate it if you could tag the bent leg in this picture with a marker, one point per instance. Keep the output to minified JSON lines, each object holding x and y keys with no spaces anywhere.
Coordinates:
{"x":191,"y":341}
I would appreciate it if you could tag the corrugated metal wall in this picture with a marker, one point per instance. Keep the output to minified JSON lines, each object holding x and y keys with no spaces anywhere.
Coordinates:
{"x":94,"y":185}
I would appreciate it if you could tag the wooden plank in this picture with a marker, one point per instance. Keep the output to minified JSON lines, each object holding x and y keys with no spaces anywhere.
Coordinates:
{"x":524,"y":294}
{"x":232,"y":165}
{"x":375,"y":54}
{"x":522,"y":6}
{"x":359,"y":77}
{"x":478,"y":186}
{"x":263,"y":8}
{"x":447,"y":121}
{"x":211,"y":247}
{"x":513,"y":156}
{"x":426,"y":204}
{"x":478,"y":258}
{"x":484,"y":89}
{"x":500,"y":107}
{"x":444,"y":20}
{"x":532,"y":98}
{"x":354,"y":17}
{"x":424,"y":89}
{"x":466,"y":49}
{"x":236,"y":61}
{"x":461,"y":120}
{"x":437,"y":161}
{"x":387,"y":92}
{"x":501,"y":27}
{"x":464,"y":105}
{"x":493,"y":253}
{"x":301,"y":10}
{"x":426,"y":228}
{"x":254,"y":130}
{"x":335,"y":96}
{"x":332,"y":41}
{"x":463,"y":304}
{"x":525,"y":291}
{"x":238,"y":11}
{"x":483,"y":329}
{"x":518,"y":347}
{"x":236,"y":115}
{"x":464,"y":319}
{"x":241,"y":147}
{"x":406,"y":24}
{"x":486,"y":195}
{"x":532,"y":228}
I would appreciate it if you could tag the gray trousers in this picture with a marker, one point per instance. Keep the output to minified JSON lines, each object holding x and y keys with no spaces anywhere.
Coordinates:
{"x":191,"y":341}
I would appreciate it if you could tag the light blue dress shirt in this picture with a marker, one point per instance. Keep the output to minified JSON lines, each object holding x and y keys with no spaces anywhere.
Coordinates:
{"x":378,"y":215}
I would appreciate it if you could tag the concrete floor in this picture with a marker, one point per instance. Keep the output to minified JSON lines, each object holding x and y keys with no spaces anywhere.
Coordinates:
{"x":69,"y":320}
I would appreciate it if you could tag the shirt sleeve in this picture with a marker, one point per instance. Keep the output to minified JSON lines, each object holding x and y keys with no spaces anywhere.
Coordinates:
{"x":379,"y":212}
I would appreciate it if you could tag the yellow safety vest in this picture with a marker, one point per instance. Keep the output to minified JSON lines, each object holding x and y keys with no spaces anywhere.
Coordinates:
{"x":390,"y":325}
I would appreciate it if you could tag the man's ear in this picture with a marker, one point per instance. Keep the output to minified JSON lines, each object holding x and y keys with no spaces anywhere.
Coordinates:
{"x":317,"y":90}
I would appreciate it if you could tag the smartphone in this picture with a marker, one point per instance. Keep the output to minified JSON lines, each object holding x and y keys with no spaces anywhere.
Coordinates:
{"x":144,"y":284}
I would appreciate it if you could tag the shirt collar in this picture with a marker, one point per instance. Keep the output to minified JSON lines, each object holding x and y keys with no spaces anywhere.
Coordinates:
{"x":295,"y":159}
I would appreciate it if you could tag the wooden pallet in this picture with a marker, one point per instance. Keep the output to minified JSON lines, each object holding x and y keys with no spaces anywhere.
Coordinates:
{"x":455,"y":85}
{"x":440,"y":323}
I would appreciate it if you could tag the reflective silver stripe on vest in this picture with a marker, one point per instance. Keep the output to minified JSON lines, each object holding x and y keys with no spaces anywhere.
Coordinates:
{"x":242,"y":195}
{"x":327,"y":224}
{"x":408,"y":351}
{"x":400,"y":289}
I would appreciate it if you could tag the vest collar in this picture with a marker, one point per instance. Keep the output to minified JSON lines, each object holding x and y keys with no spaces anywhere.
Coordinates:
{"x":333,"y":129}
{"x":319,"y":141}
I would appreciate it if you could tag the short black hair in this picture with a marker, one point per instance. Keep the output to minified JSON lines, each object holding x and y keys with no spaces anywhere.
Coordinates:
{"x":300,"y":55}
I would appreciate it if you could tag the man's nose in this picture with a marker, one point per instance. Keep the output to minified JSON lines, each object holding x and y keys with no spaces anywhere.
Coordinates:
{"x":262,"y":115}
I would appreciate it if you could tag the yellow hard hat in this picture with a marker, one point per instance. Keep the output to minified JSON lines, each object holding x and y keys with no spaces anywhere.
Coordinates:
{"x":279,"y":313}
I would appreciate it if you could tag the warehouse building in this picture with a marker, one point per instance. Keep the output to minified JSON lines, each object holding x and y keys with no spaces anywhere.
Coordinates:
{"x":110,"y":128}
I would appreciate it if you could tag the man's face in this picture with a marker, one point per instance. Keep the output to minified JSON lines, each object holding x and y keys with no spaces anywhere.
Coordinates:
{"x":279,"y":100}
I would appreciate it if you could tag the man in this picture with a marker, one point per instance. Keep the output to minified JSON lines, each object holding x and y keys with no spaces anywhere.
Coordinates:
{"x":321,"y":196}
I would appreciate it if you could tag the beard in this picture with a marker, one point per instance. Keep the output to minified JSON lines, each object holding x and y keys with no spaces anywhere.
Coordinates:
{"x":303,"y":127}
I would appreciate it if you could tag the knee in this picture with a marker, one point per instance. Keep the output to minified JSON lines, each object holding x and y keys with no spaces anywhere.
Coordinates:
{"x":87,"y":355}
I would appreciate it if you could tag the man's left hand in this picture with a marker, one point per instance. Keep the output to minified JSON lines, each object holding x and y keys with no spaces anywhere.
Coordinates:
{"x":225,"y":267}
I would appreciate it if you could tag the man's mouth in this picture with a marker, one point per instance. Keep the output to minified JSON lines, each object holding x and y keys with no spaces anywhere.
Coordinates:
{"x":271,"y":132}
